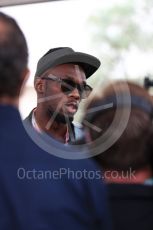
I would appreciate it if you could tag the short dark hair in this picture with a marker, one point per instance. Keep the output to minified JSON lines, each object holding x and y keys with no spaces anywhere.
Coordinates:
{"x":13,"y":56}
{"x":132,"y":149}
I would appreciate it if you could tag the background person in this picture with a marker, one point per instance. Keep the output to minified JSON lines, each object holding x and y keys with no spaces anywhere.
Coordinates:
{"x":127,"y":163}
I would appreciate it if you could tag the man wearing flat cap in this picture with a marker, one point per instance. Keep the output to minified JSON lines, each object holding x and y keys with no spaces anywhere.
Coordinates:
{"x":60,"y":83}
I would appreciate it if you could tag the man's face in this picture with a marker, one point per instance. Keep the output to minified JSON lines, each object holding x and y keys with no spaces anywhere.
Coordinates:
{"x":58,"y":101}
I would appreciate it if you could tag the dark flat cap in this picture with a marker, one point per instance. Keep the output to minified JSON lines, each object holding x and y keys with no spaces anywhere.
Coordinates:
{"x":64,"y":55}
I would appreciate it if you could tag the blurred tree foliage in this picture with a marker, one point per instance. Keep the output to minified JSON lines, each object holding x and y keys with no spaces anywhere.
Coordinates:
{"x":116,"y":31}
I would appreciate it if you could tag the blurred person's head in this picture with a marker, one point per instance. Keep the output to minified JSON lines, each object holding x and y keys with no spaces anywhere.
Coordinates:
{"x":13,"y":59}
{"x":131,"y":150}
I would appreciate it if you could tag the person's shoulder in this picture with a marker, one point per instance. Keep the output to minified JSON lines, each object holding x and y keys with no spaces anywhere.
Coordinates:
{"x":28,"y":118}
{"x":130,"y":190}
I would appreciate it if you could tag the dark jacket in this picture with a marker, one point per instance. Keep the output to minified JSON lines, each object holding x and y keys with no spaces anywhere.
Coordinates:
{"x":131,"y":206}
{"x":34,"y":196}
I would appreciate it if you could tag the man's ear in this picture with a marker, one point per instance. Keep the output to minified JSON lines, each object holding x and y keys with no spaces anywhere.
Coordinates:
{"x":39,"y":85}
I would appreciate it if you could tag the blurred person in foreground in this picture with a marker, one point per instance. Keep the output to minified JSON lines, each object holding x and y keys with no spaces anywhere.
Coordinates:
{"x":60,"y":84}
{"x":36,"y":191}
{"x":127,"y":163}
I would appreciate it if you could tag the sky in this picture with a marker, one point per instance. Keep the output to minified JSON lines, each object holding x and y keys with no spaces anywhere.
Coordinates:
{"x":65,"y":23}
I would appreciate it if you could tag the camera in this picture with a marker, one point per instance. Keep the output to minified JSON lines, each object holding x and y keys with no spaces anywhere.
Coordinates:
{"x":148,"y":82}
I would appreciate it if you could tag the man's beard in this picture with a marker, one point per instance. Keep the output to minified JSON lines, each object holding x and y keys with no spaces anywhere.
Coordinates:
{"x":59,"y":117}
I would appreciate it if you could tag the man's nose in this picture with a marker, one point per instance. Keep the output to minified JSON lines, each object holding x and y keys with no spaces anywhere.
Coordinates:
{"x":75,"y":93}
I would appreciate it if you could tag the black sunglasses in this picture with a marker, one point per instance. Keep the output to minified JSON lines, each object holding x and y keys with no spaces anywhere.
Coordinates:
{"x":67,"y":86}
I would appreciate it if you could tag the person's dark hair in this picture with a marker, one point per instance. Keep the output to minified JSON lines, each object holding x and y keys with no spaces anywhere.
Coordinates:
{"x":132,"y":149}
{"x":13,"y":56}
